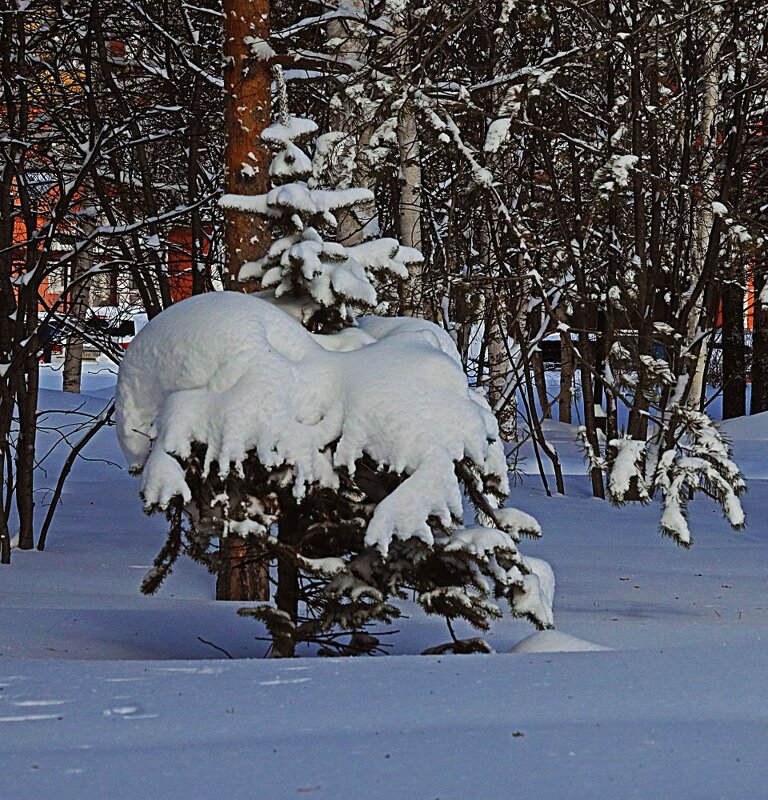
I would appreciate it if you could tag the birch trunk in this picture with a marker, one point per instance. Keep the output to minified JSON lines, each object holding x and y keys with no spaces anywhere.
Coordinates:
{"x":409,"y":211}
{"x":703,"y":215}
{"x":499,"y":366}
{"x":351,"y":42}
{"x":79,"y":305}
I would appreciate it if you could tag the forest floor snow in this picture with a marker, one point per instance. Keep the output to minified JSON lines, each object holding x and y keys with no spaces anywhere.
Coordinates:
{"x":109,"y":695}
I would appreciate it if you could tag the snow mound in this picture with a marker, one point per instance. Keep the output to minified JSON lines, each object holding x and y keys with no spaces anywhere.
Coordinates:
{"x":237,"y":374}
{"x":748,"y":429}
{"x":555,"y":642}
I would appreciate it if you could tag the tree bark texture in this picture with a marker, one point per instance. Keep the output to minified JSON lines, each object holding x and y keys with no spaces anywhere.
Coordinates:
{"x":566,"y":379}
{"x":79,"y":304}
{"x":351,"y":42}
{"x":409,"y":211}
{"x":734,"y":361}
{"x":26,"y":401}
{"x":243,"y":574}
{"x":704,"y":216}
{"x":499,"y":366}
{"x":287,"y":593}
{"x":759,"y":371}
{"x":247,"y":91}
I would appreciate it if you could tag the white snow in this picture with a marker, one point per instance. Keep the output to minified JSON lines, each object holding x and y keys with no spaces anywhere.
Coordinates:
{"x":498,"y":133}
{"x":329,"y":269}
{"x":295,"y":195}
{"x":295,"y":128}
{"x":555,"y":642}
{"x":626,"y":466}
{"x":678,"y":708}
{"x":259,"y":48}
{"x":617,"y":170}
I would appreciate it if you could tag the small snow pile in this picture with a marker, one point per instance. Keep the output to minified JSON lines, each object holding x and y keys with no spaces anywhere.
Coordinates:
{"x":222,"y":381}
{"x":555,"y":642}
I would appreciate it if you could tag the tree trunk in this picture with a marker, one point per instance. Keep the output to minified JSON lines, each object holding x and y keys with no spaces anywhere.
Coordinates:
{"x":287,"y":593}
{"x":734,"y":361}
{"x":26,"y":400}
{"x":759,"y":372}
{"x":8,"y":309}
{"x":243,"y":574}
{"x":409,"y":210}
{"x":540,"y":382}
{"x":704,"y":216}
{"x":5,"y":540}
{"x":566,"y":379}
{"x":248,"y":93}
{"x":6,"y":466}
{"x":79,"y":304}
{"x":499,"y":368}
{"x":73,"y":364}
{"x":590,"y":422}
{"x":351,"y":41}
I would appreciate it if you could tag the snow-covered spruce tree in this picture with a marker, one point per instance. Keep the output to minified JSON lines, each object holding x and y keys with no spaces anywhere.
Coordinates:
{"x":344,"y":446}
{"x":325,"y":280}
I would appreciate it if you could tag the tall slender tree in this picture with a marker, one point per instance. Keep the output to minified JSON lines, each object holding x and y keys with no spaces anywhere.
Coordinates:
{"x":242,"y":571}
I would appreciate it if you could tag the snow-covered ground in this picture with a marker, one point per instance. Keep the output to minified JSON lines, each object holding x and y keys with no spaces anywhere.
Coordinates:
{"x":106,"y":694}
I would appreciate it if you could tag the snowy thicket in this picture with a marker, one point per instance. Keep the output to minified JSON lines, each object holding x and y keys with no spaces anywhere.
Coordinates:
{"x":697,"y":459}
{"x":345,"y":455}
{"x":559,"y":196}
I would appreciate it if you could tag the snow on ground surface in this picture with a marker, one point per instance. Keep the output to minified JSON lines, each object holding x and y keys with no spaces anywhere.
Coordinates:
{"x":108,"y":695}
